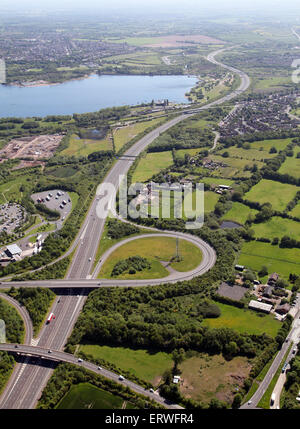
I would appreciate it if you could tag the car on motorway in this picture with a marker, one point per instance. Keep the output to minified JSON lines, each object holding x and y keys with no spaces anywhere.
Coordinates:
{"x":121,"y":378}
{"x":249,"y":402}
{"x":151,"y":390}
{"x":90,"y":259}
{"x":80,"y":360}
{"x":99,"y":367}
{"x":49,"y":351}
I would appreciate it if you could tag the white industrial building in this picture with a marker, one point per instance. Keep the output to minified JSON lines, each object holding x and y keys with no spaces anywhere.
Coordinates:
{"x":13,"y":250}
{"x":260,"y":306}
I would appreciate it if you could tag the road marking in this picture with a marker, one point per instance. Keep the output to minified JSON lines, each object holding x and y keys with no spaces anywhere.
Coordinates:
{"x":83,"y":234}
{"x":34,"y":341}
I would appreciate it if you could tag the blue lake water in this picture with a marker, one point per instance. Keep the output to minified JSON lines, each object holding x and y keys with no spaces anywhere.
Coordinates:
{"x":91,"y":94}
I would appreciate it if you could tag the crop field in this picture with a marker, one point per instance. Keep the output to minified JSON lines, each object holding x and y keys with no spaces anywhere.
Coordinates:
{"x":152,"y":164}
{"x":255,"y":254}
{"x":155,"y":249}
{"x":291,"y":166}
{"x":268,"y":191}
{"x":244,"y":321}
{"x":144,"y":364}
{"x":87,"y":396}
{"x":123,"y":135}
{"x":239,"y":213}
{"x":205,"y":377}
{"x":83,"y":147}
{"x":277,"y":227}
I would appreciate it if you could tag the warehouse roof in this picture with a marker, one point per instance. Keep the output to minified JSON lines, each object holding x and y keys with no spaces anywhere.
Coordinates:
{"x":260,"y":306}
{"x":14,"y":249}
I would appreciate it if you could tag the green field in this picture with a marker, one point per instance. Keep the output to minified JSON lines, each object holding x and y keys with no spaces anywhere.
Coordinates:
{"x":217,"y":181}
{"x":155,"y":249}
{"x":10,"y":191}
{"x":123,"y":135}
{"x":152,"y":164}
{"x":268,"y":191}
{"x":277,"y":227}
{"x":206,"y":377}
{"x":239,"y":213}
{"x":296,"y":210}
{"x":251,"y":154}
{"x":144,"y":364}
{"x":83,"y":147}
{"x":255,"y":254}
{"x":244,"y":321}
{"x":210,"y":200}
{"x":234,"y":166}
{"x":291,"y":166}
{"x":87,"y":396}
{"x":272,"y":83}
{"x":266,"y":145}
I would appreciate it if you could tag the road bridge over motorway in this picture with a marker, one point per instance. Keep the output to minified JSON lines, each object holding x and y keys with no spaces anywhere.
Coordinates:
{"x":59,"y":356}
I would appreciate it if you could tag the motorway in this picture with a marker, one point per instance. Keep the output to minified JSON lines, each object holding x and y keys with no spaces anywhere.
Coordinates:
{"x":27,"y":383}
{"x":292,"y":337}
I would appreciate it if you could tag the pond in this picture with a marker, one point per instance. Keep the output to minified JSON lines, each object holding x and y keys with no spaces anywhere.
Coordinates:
{"x":229,"y":224}
{"x":92,"y":94}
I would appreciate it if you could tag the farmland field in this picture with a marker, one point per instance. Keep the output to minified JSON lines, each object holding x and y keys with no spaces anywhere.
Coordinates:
{"x":144,"y":364}
{"x":239,"y":213}
{"x":244,"y":321}
{"x":125,"y":134}
{"x":210,"y":200}
{"x":152,"y":164}
{"x":251,"y":154}
{"x":266,"y":145}
{"x":291,"y":166}
{"x":87,"y":396}
{"x":205,"y":377}
{"x":234,"y":166}
{"x":155,"y":249}
{"x":277,"y":227}
{"x":83,"y":147}
{"x":268,"y":191}
{"x":282,"y":261}
{"x":217,"y":181}
{"x":296,"y":211}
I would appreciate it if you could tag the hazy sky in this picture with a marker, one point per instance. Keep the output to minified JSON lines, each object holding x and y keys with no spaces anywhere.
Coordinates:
{"x":154,"y":5}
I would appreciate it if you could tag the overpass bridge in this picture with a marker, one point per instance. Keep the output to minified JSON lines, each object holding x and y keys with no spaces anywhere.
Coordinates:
{"x":58,"y":356}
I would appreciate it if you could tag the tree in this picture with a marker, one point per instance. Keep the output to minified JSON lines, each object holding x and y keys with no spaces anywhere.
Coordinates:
{"x":263,"y":271}
{"x":237,"y":400}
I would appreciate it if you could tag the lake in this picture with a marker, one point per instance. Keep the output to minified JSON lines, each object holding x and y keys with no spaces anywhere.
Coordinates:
{"x":91,"y":94}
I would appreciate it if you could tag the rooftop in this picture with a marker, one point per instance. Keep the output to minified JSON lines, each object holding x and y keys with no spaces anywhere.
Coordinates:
{"x":14,"y":249}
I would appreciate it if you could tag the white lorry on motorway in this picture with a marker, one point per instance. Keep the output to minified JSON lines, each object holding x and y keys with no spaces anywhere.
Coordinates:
{"x":273,"y":397}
